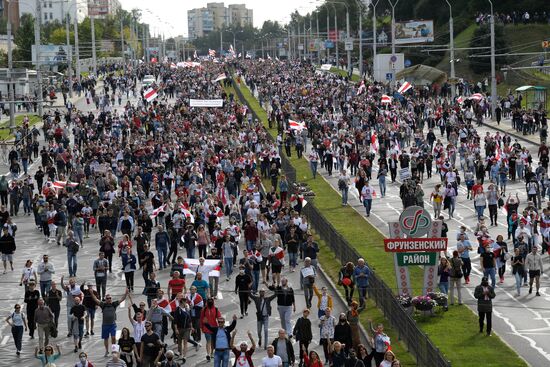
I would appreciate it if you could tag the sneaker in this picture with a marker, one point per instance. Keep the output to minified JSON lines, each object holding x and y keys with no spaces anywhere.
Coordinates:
{"x":538,"y":294}
{"x":91,"y":333}
{"x":106,"y":354}
{"x":87,"y":334}
{"x":197,"y":347}
{"x":531,"y":290}
{"x":18,"y":352}
{"x":208,"y":358}
{"x":75,"y":349}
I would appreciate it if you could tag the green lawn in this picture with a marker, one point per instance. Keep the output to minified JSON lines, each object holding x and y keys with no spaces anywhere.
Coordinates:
{"x":4,"y":127}
{"x":344,"y":73}
{"x":454,"y":332}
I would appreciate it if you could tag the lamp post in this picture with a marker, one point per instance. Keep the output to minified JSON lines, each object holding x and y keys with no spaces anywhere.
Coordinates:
{"x":37,"y":21}
{"x":11,"y":94}
{"x":94,"y":56}
{"x":70,"y":54}
{"x":393,"y":5}
{"x":347,"y":31}
{"x":374,"y":36}
{"x":328,"y":33}
{"x":360,"y":14}
{"x":452,"y":47}
{"x":76,"y":48}
{"x":493,"y":72}
{"x":336,"y":31}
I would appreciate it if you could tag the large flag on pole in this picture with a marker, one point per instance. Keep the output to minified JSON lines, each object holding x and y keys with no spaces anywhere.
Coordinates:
{"x":222,"y":76}
{"x":150,"y":94}
{"x":296,"y":125}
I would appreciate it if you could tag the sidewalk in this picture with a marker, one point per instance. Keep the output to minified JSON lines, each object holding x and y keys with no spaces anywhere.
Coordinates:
{"x":506,"y":128}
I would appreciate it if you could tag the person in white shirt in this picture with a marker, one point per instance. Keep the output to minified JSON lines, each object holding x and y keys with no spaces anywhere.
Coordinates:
{"x":366,"y":195}
{"x":533,"y":264}
{"x":272,"y":360}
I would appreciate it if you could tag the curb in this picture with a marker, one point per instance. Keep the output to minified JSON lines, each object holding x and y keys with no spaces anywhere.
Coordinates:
{"x":515,"y":134}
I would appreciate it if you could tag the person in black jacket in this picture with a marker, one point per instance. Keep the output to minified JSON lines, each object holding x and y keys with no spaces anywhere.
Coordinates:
{"x":286,"y":354}
{"x":243,"y":284}
{"x":302,"y":333}
{"x":221,"y":334}
{"x":7,"y":248}
{"x":342,"y":333}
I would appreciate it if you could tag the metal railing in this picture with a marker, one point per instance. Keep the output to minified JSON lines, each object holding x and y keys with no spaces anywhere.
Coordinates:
{"x":417,"y":342}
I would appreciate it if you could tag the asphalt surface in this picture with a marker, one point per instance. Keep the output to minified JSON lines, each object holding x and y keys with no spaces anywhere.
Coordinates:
{"x":31,"y":245}
{"x":523,"y":322}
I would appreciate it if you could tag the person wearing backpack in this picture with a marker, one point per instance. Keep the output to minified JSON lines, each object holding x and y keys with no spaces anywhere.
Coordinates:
{"x":72,"y":249}
{"x":455,"y":276}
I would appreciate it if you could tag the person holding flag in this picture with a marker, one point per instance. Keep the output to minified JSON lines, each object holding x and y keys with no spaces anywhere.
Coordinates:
{"x":276,"y":260}
{"x":157,"y":312}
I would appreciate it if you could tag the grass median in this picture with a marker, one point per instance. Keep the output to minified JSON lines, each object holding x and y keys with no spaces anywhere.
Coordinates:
{"x":5,"y":132}
{"x":454,"y":332}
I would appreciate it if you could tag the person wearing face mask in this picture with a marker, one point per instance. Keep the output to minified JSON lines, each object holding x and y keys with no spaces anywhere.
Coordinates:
{"x":169,"y":361}
{"x":243,"y":284}
{"x":243,"y":355}
{"x":484,"y":294}
{"x":83,"y":361}
{"x":209,"y":316}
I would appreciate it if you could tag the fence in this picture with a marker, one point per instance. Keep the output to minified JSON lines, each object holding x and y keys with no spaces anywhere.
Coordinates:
{"x":416,"y":340}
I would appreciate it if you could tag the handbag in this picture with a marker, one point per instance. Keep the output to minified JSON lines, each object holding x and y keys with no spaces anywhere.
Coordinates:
{"x":93,"y":221}
{"x":52,"y":328}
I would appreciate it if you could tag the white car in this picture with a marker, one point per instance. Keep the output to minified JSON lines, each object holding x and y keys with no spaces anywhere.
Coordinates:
{"x":148,"y":80}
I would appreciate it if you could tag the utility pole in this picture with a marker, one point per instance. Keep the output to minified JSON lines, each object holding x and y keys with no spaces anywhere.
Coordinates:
{"x":221,"y":42}
{"x":328,"y":34}
{"x":452,"y":46}
{"x":337,"y":35}
{"x":493,"y":71}
{"x":11,"y":92}
{"x":144,"y":42}
{"x":360,"y":12}
{"x":289,"y":56}
{"x":374,"y":36}
{"x":37,"y":22}
{"x":94,"y":56}
{"x":77,"y":51}
{"x":348,"y":38}
{"x":122,"y":41}
{"x":393,"y":5}
{"x":318,"y":45}
{"x":69,"y":55}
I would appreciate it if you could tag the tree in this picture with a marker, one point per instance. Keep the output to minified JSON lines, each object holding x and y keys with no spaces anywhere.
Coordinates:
{"x":481,"y":38}
{"x":24,"y":39}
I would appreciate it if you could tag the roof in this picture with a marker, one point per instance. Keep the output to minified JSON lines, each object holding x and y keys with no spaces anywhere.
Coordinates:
{"x":422,"y":74}
{"x":529,"y":87}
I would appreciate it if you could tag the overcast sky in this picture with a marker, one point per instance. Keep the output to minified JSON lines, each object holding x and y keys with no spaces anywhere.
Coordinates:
{"x":173,"y":13}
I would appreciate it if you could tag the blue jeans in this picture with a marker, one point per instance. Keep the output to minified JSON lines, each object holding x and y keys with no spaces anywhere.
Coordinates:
{"x":480,"y":210}
{"x":345,"y":196}
{"x":162,"y":253}
{"x":444,"y":287}
{"x":191,"y":252}
{"x":79,"y":234}
{"x":256,"y":278}
{"x":490,"y":272}
{"x":27,"y":205}
{"x":313,"y":166}
{"x":250,"y":245}
{"x":228,"y":263}
{"x":367,"y":203}
{"x":71,"y":259}
{"x":382,"y":184}
{"x":292,"y":259}
{"x":45,"y":286}
{"x":221,"y":358}
{"x":263,"y":324}
{"x":518,"y":277}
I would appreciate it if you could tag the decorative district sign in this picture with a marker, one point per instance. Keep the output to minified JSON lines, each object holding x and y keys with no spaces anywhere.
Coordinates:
{"x":409,"y":249}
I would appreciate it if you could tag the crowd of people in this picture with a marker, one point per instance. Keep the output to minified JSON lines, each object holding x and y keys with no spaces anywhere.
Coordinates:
{"x":173,"y":190}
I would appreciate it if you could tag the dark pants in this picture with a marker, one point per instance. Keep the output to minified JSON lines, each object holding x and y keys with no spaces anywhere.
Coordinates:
{"x":304,"y":345}
{"x":129,"y":276}
{"x":482,"y":316}
{"x":466,"y":266}
{"x":17,"y":332}
{"x":101,"y":286}
{"x":4,"y":197}
{"x":378,"y":357}
{"x":243,"y":301}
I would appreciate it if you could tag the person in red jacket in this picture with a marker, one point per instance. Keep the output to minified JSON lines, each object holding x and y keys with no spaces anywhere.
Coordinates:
{"x":209,"y":316}
{"x":250,"y":234}
{"x":243,"y":355}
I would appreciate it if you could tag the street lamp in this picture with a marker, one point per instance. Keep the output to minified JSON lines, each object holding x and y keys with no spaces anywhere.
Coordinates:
{"x":393,"y":5}
{"x":347,"y":31}
{"x":336,"y":31}
{"x":374,"y":36}
{"x":452,"y":47}
{"x":493,"y":72}
{"x":360,"y":13}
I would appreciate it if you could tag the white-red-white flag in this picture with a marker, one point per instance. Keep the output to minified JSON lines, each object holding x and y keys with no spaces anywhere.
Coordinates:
{"x":296,"y":125}
{"x":374,"y":142}
{"x":212,"y":53}
{"x":385,"y":99}
{"x":157,"y":211}
{"x":477,"y":96}
{"x":222,"y":76}
{"x":404,"y":87}
{"x":167,"y":305}
{"x":361,"y":88}
{"x":150,"y":94}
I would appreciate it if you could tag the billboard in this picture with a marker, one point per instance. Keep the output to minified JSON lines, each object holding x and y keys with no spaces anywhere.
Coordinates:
{"x":51,"y":54}
{"x":98,"y":7}
{"x":414,"y":31}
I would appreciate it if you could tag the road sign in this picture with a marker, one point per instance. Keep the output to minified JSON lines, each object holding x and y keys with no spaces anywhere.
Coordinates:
{"x":415,"y":244}
{"x":408,"y":63}
{"x":415,"y":221}
{"x":382,"y":37}
{"x":416,"y":258}
{"x":348,"y":45}
{"x":393,"y":58}
{"x":329,"y":44}
{"x":389,"y":76}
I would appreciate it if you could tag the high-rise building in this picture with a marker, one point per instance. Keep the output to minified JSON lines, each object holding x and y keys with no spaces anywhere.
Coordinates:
{"x":55,"y":10}
{"x":214,"y":16}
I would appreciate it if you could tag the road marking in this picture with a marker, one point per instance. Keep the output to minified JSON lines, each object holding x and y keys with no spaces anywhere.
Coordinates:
{"x":5,"y":340}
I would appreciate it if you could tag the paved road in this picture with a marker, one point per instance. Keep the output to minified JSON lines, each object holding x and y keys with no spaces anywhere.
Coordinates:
{"x":31,"y":246}
{"x":523,"y":322}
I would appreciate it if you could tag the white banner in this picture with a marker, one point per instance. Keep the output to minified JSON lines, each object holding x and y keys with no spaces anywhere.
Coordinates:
{"x":326,"y":67}
{"x":205,"y":102}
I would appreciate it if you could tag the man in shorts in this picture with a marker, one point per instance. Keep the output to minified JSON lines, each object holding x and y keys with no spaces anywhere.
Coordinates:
{"x":108,"y":325}
{"x":7,"y":248}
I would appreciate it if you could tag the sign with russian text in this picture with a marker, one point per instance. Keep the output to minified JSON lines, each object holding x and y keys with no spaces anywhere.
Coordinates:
{"x":415,"y":244}
{"x":416,"y":258}
{"x":205,"y":102}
